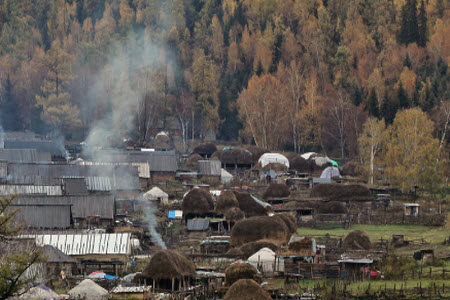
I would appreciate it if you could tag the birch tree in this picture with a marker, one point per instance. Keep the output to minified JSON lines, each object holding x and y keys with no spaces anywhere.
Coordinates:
{"x":371,"y":142}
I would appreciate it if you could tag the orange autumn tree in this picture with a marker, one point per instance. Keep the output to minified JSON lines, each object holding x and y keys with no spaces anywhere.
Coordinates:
{"x":262,"y":109}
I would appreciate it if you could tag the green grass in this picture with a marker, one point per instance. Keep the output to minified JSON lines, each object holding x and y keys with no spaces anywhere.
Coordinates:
{"x":411,"y":232}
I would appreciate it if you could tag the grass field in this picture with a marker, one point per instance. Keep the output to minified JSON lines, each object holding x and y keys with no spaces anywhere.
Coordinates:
{"x":412,"y":232}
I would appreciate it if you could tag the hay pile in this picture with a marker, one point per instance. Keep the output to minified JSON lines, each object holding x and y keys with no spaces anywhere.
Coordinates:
{"x":226,"y":200}
{"x":249,"y":249}
{"x":197,"y":202}
{"x":256,"y":152}
{"x":276,"y":190}
{"x":259,"y":228}
{"x":246,"y":289}
{"x":168,"y":264}
{"x":340,"y":191}
{"x":192,"y":162}
{"x":234,"y":156}
{"x":234,"y":214}
{"x":350,"y":168}
{"x":248,"y":205}
{"x":357,"y":240}
{"x":238,"y":271}
{"x":298,"y":163}
{"x":235,"y":252}
{"x":332,"y":207}
{"x":301,"y":246}
{"x":163,"y":142}
{"x":272,"y":166}
{"x":289,"y":221}
{"x":205,"y":150}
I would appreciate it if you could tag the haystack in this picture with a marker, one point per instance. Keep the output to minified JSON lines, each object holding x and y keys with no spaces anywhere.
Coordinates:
{"x":238,"y":271}
{"x":163,"y":142}
{"x":357,"y":240}
{"x":252,"y":247}
{"x":88,"y":289}
{"x":256,"y":152}
{"x":248,"y":205}
{"x":289,"y":221}
{"x":168,"y":264}
{"x":340,"y":191}
{"x":192,"y":162}
{"x":301,"y":246}
{"x":235,"y":253}
{"x":351,"y":168}
{"x":276,"y":190}
{"x":197,"y":202}
{"x":258,"y":228}
{"x":205,"y":150}
{"x":246,"y":289}
{"x":332,"y":207}
{"x":234,"y":156}
{"x":298,"y":163}
{"x":226,"y":200}
{"x":234,"y":214}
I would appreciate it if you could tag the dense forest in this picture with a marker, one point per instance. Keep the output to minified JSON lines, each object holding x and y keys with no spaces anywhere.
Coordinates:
{"x":282,"y":74}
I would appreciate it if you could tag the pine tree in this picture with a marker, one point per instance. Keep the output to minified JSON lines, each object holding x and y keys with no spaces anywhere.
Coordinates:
{"x":9,"y":108}
{"x":409,"y":31}
{"x":372,"y":104}
{"x":402,"y":97}
{"x":422,"y":25}
{"x":389,"y":109}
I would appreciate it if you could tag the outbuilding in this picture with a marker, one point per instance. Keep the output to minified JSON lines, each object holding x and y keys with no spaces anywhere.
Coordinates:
{"x":158,"y":195}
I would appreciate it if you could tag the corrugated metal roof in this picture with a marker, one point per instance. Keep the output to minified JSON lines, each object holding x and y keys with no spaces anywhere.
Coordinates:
{"x":18,"y":155}
{"x":143,"y":167}
{"x":48,"y":216}
{"x":159,"y":161}
{"x":197,"y":224}
{"x":74,"y":186}
{"x":98,"y":184}
{"x":40,"y":145}
{"x":122,"y":177}
{"x":209,"y":167}
{"x":82,"y":206}
{"x":85,"y":244}
{"x":49,"y":190}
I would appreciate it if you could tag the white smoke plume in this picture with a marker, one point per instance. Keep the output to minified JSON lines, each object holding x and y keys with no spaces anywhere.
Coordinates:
{"x":150,"y":219}
{"x":116,"y":89}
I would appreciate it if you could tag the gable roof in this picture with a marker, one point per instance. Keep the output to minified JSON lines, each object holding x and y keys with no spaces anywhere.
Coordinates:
{"x":54,"y":255}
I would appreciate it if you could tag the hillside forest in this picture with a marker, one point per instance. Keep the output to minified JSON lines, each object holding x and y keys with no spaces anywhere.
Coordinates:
{"x":297,"y":75}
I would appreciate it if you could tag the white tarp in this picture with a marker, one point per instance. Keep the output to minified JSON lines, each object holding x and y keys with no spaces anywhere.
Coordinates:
{"x":330,"y":172}
{"x":308,"y":155}
{"x":264,"y":259}
{"x":156,"y":194}
{"x":273,"y":158}
{"x":321,"y":161}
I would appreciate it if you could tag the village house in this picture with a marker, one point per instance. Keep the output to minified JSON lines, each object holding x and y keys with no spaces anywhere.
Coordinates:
{"x":92,"y":251}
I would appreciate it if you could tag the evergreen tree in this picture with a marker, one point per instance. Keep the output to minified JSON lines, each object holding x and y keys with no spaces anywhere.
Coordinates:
{"x":402,"y":97}
{"x":9,"y":108}
{"x":422,"y":25}
{"x":409,"y":31}
{"x":389,"y":109}
{"x":372,"y":104}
